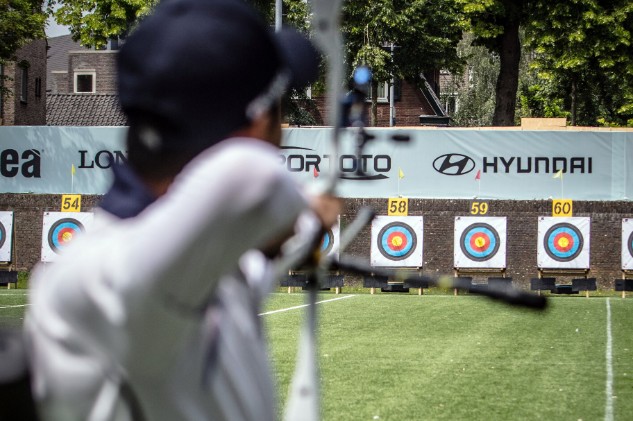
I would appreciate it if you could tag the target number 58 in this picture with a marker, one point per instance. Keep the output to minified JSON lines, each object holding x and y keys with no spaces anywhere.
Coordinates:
{"x":562,"y":207}
{"x":398,"y":206}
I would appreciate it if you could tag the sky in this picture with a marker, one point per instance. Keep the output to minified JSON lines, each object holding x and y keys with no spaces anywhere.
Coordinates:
{"x":55,"y":30}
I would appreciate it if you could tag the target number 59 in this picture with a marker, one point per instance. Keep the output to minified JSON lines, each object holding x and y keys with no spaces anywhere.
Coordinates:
{"x":398,"y":206}
{"x":71,"y":203}
{"x":479,"y":208}
{"x":562,"y":207}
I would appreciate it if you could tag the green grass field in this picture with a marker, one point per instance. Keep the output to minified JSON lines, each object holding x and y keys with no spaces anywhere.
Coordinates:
{"x":440,"y":357}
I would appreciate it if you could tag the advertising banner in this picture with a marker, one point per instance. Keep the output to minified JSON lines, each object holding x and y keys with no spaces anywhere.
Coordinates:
{"x":446,"y":163}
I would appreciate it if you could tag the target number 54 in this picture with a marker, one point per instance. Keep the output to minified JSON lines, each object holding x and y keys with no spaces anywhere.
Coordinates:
{"x":562,"y":207}
{"x":71,"y":203}
{"x":398,"y":206}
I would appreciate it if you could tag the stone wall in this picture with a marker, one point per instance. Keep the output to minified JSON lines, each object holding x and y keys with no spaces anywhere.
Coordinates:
{"x":522,"y":220}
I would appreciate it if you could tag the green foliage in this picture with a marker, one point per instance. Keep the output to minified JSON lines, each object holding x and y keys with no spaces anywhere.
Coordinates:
{"x":20,"y":21}
{"x":93,"y":22}
{"x":583,"y":48}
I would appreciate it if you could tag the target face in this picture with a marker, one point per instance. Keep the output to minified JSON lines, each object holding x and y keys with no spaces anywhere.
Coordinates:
{"x":60,"y":229}
{"x":327,"y":243}
{"x":479,"y":242}
{"x":6,"y":232}
{"x":62,"y":233}
{"x":397,"y":241}
{"x":627,"y":244}
{"x":563,"y":243}
{"x":330,"y":241}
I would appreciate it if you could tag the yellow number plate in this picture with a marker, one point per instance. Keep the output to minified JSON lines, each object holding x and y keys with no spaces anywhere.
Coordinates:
{"x":562,"y":207}
{"x":478,"y":208}
{"x":71,"y":203}
{"x":398,"y":206}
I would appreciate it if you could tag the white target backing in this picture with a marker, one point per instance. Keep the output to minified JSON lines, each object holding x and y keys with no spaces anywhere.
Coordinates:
{"x":480,"y":242}
{"x":396,"y":241}
{"x":563,"y":243}
{"x":627,"y":244}
{"x":6,"y":236}
{"x":59,"y":229}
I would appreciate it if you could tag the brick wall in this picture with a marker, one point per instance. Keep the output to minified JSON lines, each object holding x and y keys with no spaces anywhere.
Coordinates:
{"x":411,"y":105}
{"x":606,"y":220}
{"x":102,"y":62}
{"x":32,"y":112}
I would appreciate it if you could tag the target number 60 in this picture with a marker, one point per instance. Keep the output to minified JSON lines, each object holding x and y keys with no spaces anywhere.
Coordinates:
{"x":479,"y":208}
{"x":562,"y":207}
{"x":398,"y":206}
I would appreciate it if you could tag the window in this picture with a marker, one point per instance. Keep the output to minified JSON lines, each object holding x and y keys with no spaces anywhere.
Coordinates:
{"x":38,"y":87}
{"x":24,"y":84}
{"x":383,"y":91}
{"x":85,"y":82}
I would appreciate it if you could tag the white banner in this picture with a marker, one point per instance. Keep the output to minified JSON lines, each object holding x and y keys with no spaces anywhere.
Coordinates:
{"x":627,"y":244}
{"x":563,"y":243}
{"x":435,"y":163}
{"x":480,"y":242}
{"x":6,"y":236}
{"x":396,"y":241}
{"x":59,"y":229}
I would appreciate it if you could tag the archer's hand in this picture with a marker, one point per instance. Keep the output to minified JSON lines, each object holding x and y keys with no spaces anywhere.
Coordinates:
{"x":327,"y":208}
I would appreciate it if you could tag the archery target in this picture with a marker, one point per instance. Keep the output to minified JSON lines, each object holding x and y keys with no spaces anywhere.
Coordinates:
{"x":563,"y":243}
{"x":480,"y":242}
{"x":60,"y":229}
{"x":627,"y":244}
{"x":6,"y":236}
{"x":331,"y":238}
{"x":396,"y":241}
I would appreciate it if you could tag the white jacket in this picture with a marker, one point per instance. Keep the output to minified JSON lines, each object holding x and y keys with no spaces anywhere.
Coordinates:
{"x":151,"y":314}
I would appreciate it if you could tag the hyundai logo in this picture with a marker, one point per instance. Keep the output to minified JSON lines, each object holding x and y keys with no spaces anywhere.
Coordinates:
{"x":453,"y":164}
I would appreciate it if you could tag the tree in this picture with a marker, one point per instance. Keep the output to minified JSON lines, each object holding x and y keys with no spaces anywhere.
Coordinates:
{"x":425,"y":34}
{"x":584,"y":58}
{"x":20,"y":22}
{"x":495,"y":24}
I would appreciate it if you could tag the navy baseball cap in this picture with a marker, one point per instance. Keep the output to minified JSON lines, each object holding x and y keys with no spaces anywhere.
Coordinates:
{"x":208,"y":67}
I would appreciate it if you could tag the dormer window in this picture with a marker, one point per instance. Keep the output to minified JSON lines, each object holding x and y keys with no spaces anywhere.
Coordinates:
{"x":85,"y":81}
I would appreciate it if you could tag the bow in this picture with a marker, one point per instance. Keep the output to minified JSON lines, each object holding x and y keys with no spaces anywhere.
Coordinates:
{"x":304,"y":396}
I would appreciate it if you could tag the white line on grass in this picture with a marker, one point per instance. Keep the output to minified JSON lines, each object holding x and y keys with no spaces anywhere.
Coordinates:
{"x":304,"y":305}
{"x":19,"y":305}
{"x":608,"y":409}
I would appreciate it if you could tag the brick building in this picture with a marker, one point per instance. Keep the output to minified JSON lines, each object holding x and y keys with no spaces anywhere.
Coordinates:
{"x":25,"y":79}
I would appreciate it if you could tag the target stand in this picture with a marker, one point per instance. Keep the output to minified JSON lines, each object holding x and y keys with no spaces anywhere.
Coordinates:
{"x":547,"y":280}
{"x":493,"y":276}
{"x":300,"y":280}
{"x":626,"y":283}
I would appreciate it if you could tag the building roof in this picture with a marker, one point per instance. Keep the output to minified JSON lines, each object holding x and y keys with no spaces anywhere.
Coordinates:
{"x":84,"y":110}
{"x":57,"y":57}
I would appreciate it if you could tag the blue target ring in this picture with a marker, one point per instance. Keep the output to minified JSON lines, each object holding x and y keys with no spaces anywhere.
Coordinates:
{"x":62,"y":233}
{"x":479,"y":242}
{"x":3,"y":234}
{"x":563,"y":242}
{"x":397,"y":241}
{"x":630,"y":244}
{"x":327,"y":242}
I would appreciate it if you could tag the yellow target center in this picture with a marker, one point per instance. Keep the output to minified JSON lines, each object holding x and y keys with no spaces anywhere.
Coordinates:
{"x":67,"y":236}
{"x":396,"y":242}
{"x":563,"y":242}
{"x":480,"y":242}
